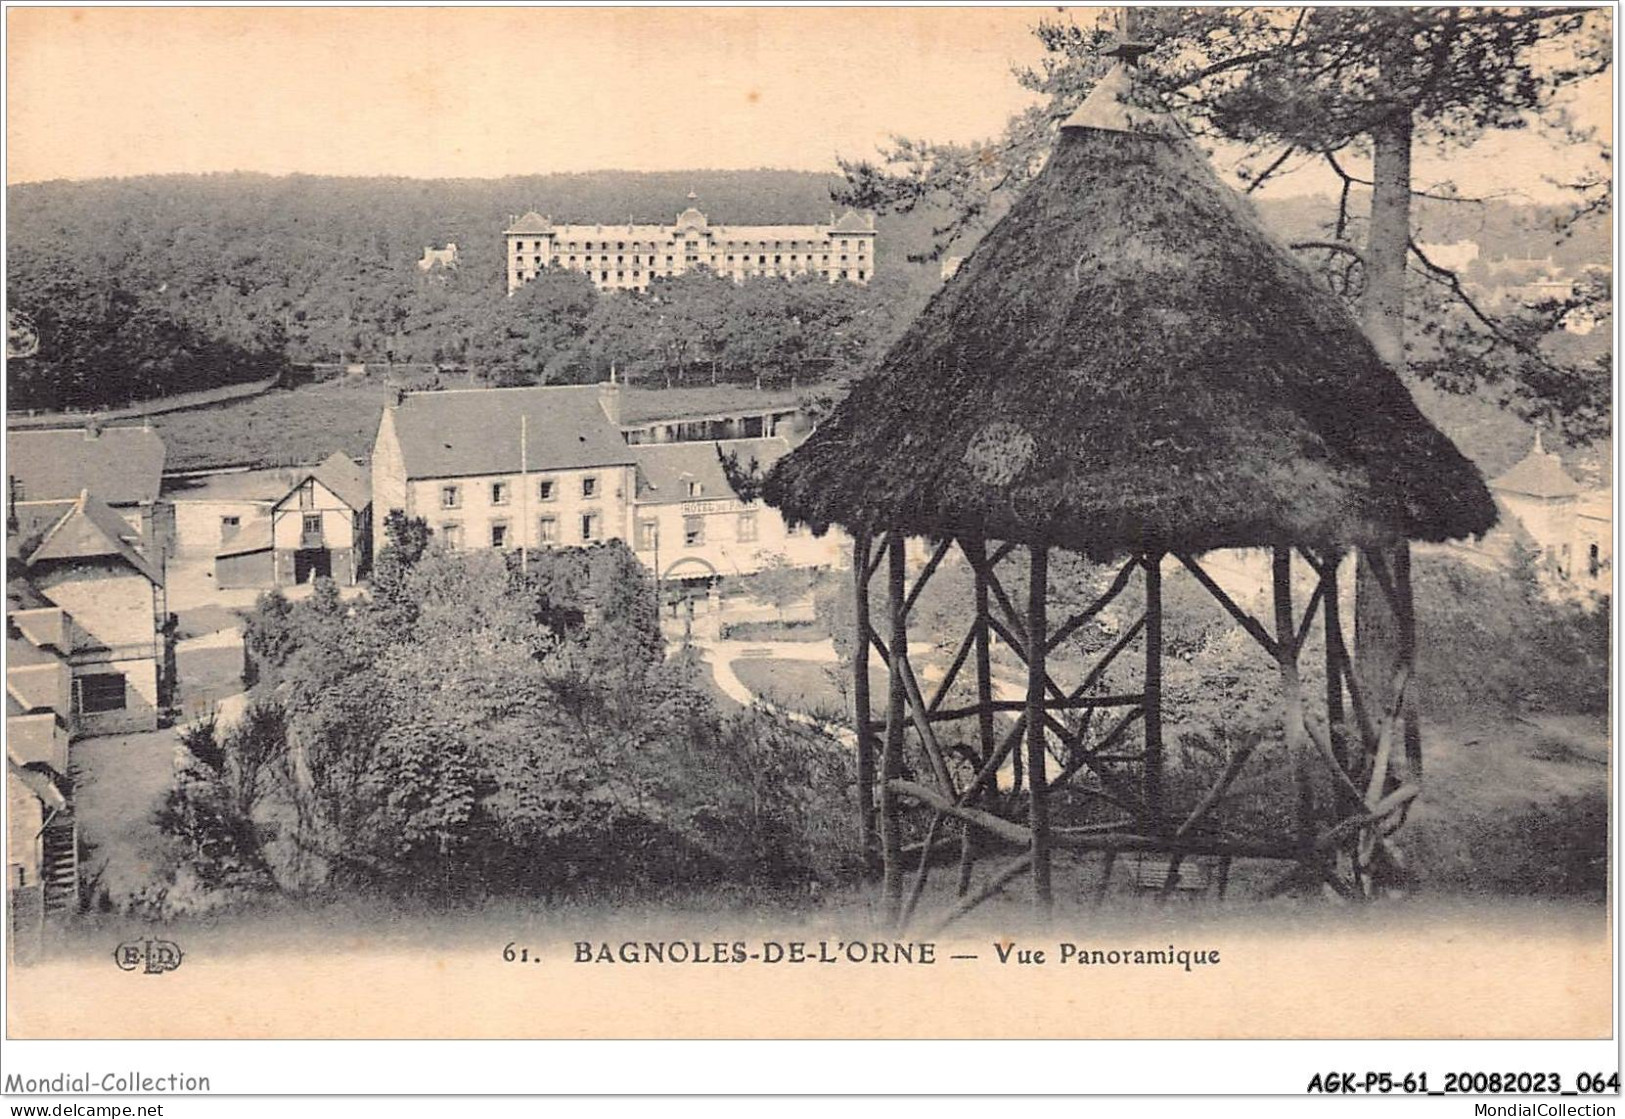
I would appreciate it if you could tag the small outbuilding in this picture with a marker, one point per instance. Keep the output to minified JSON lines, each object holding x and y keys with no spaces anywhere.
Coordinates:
{"x":282,"y":527}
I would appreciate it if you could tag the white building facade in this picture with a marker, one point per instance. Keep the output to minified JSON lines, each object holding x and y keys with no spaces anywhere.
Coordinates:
{"x":691,"y":524}
{"x":629,"y":256}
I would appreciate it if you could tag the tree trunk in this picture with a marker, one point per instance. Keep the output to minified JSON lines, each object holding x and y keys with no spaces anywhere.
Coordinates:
{"x":1376,"y":629}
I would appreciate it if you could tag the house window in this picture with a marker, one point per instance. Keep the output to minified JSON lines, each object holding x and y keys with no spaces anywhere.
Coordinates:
{"x":547,"y":490}
{"x":589,"y":486}
{"x":547,"y":530}
{"x":590,"y":527}
{"x":307,"y":496}
{"x":312,"y":524}
{"x":648,"y":535}
{"x":499,"y":534}
{"x":449,"y":497}
{"x":103,"y":691}
{"x":693,"y":531}
{"x":695,"y":489}
{"x":747,"y":526}
{"x":452,"y":534}
{"x":229,"y":525}
{"x":1593,"y":560}
{"x":499,"y":493}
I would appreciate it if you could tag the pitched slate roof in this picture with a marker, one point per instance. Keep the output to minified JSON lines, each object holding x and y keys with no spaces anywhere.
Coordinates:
{"x":37,"y":622}
{"x":470,"y":432}
{"x":23,"y":595}
{"x":345,"y":477}
{"x":37,"y":781}
{"x":853,"y":222}
{"x":1538,"y":474}
{"x":31,"y":520}
{"x":93,"y":531}
{"x":339,"y":473}
{"x":121,"y":465}
{"x":532,"y":222}
{"x":266,"y":486}
{"x":643,"y":406}
{"x":23,"y":653}
{"x":255,"y":536}
{"x":665,"y":469}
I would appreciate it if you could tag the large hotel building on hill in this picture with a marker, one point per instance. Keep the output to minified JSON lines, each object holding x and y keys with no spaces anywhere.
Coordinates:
{"x":628,"y":256}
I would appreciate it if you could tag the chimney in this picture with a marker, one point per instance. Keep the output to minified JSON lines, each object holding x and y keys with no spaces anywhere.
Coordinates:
{"x":609,"y":398}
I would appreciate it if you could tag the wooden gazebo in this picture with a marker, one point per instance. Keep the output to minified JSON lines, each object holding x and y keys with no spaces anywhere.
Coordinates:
{"x":1129,"y":368}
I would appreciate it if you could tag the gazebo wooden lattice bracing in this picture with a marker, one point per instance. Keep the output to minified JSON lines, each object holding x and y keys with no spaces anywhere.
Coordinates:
{"x":1128,"y":368}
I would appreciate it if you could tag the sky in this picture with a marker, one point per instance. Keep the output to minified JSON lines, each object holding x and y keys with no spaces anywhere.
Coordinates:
{"x":487,"y":92}
{"x":439,"y":92}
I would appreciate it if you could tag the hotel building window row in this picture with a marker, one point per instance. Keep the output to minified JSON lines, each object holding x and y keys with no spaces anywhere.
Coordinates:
{"x":630,"y":256}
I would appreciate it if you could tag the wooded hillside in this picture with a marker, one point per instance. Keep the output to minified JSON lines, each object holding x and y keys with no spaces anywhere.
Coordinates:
{"x":150,"y":286}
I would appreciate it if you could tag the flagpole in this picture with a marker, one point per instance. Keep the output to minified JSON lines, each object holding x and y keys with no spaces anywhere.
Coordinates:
{"x":524,"y":494}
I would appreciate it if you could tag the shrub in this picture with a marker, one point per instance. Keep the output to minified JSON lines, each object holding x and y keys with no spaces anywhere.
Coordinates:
{"x":1492,"y":640}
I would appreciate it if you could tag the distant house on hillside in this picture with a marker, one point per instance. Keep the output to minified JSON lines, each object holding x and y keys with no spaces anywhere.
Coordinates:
{"x":1544,"y":508}
{"x":1457,"y":256}
{"x":507,"y":468}
{"x":443,"y":258}
{"x":691,"y":524}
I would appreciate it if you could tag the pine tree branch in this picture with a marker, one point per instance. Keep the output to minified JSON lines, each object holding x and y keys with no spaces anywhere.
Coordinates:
{"x":1268,"y":172}
{"x":1451,"y":280}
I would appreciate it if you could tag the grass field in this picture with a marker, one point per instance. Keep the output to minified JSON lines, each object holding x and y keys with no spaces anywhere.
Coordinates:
{"x":805,"y":686}
{"x":283,"y":427}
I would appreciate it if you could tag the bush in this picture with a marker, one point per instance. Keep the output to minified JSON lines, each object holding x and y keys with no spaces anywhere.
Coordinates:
{"x":1491,"y":640}
{"x":1554,"y":849}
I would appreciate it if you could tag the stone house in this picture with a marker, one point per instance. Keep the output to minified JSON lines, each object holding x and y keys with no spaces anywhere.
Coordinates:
{"x":530,"y":467}
{"x":691,"y":524}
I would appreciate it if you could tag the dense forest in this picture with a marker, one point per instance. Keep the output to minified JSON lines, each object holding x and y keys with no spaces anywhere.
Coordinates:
{"x":144,"y":287}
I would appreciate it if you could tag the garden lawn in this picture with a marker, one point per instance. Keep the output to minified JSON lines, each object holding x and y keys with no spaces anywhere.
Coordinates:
{"x":282,"y":427}
{"x":807,"y":686}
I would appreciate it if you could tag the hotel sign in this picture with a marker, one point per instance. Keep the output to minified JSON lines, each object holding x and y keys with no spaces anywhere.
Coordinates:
{"x":718,"y":505}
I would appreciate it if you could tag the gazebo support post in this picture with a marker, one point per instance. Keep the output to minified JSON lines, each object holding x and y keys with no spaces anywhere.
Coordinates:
{"x":1405,"y":608}
{"x":891,"y":759}
{"x":976,"y":555}
{"x":1332,"y":620}
{"x":861,"y":719}
{"x":1038,"y":787}
{"x":1286,"y":644}
{"x":1348,"y":803}
{"x":1153,"y":692}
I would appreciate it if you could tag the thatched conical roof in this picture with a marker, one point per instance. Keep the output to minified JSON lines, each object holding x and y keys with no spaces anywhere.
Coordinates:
{"x":1128,"y":361}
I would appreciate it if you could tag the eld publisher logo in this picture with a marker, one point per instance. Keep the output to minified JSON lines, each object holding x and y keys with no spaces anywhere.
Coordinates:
{"x":152,"y":957}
